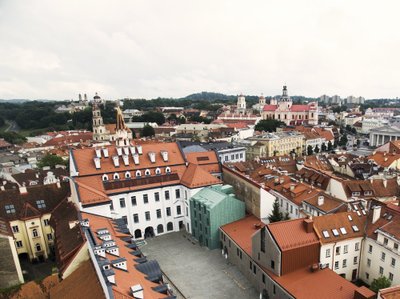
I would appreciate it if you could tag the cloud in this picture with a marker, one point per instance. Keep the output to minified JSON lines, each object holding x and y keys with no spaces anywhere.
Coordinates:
{"x":173,"y":48}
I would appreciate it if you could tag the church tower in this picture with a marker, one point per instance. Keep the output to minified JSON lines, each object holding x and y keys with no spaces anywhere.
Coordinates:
{"x":99,"y":130}
{"x":285,"y":101}
{"x":241,"y":104}
{"x":261,"y":101}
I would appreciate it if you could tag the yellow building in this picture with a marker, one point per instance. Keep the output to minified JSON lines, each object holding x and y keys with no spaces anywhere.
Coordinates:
{"x":28,"y":212}
{"x":276,"y":144}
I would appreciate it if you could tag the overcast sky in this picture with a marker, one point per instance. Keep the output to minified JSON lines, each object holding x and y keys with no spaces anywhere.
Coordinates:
{"x":167,"y":48}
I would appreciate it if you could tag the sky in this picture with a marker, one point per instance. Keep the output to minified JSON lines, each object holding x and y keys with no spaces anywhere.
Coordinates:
{"x":148,"y":49}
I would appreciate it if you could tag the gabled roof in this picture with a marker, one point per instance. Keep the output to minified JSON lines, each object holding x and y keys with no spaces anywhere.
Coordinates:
{"x":195,"y":176}
{"x":291,"y":234}
{"x":384,"y":159}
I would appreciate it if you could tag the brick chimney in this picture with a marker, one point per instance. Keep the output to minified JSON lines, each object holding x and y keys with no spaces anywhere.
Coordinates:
{"x":363,"y":293}
{"x":308,"y":225}
{"x":376,"y":213}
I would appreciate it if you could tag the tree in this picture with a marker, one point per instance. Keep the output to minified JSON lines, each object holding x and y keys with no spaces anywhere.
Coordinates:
{"x":277,"y":215}
{"x":13,"y":137}
{"x":343,"y":140}
{"x":323,"y":147}
{"x":153,"y":117}
{"x":316,"y":150}
{"x":380,"y":283}
{"x":51,"y":160}
{"x":309,"y":150}
{"x":330,"y":146}
{"x":148,"y":131}
{"x":268,"y":125}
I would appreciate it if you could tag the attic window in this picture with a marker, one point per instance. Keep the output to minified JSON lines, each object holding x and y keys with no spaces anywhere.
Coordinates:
{"x":356,"y":193}
{"x":40,"y":204}
{"x":116,"y":176}
{"x":138,"y":173}
{"x":335,"y":232}
{"x":105,"y":177}
{"x":168,"y":170}
{"x":10,"y":209}
{"x":158,"y":171}
{"x":355,"y":228}
{"x":147,"y":172}
{"x":325,"y":233}
{"x":205,"y":158}
{"x":343,"y":231}
{"x":127,"y":175}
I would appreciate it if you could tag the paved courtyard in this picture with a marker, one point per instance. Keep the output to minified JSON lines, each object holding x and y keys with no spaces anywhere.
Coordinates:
{"x":197,"y":272}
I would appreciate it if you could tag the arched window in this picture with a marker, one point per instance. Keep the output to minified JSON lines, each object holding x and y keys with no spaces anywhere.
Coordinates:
{"x":138,"y":173}
{"x":138,"y":234}
{"x":105,"y":177}
{"x":147,"y":172}
{"x":35,"y":233}
{"x":116,"y":176}
{"x":127,"y":175}
{"x":170,"y":226}
{"x":158,"y":171}
{"x":168,"y":170}
{"x":38,"y":247}
{"x":160,"y":229}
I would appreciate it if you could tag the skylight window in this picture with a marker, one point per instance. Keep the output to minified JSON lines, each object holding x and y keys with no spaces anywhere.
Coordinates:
{"x":335,"y":232}
{"x":343,"y":231}
{"x":325,"y":233}
{"x":358,"y":213}
{"x":40,"y":204}
{"x":355,"y":228}
{"x":10,"y":209}
{"x":350,"y":218}
{"x":363,"y":212}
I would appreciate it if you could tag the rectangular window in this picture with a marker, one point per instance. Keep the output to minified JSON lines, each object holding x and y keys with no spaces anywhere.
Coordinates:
{"x":254,"y":269}
{"x":133,"y":200}
{"x":111,"y":206}
{"x":10,"y":209}
{"x":136,"y":218}
{"x":125,"y":219}
{"x":385,"y":241}
{"x":15,"y":229}
{"x":383,"y":256}
{"x":158,"y":213}
{"x":345,"y":248}
{"x":263,"y":278}
{"x":380,"y":270}
{"x":368,"y":262}
{"x":145,"y":198}
{"x":396,"y":246}
{"x":147,"y":216}
{"x":240,"y":254}
{"x":338,"y":250}
{"x":391,"y":276}
{"x":177,"y":193}
{"x":370,"y":249}
{"x":178,"y":210}
{"x":355,"y":260}
{"x":157,"y":196}
{"x":262,"y":232}
{"x":166,"y":194}
{"x":168,"y":211}
{"x":40,"y":204}
{"x":291,"y":209}
{"x":393,"y":263}
{"x":328,"y":253}
{"x":336,"y":265}
{"x":49,"y":237}
{"x":46,"y":222}
{"x":357,"y":246}
{"x":18,"y":244}
{"x":251,"y":265}
{"x":122,"y":202}
{"x":187,"y":211}
{"x":367,"y":275}
{"x":272,"y":264}
{"x":344,"y":263}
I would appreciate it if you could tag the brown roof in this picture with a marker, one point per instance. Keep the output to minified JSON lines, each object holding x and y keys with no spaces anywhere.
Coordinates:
{"x":195,"y":176}
{"x":313,"y":177}
{"x":384,"y":159}
{"x":38,"y":175}
{"x":70,"y":139}
{"x":68,"y":240}
{"x":4,"y":143}
{"x":124,"y":279}
{"x":330,"y":204}
{"x":208,"y":160}
{"x":358,"y":186}
{"x":291,"y":234}
{"x":241,"y":231}
{"x":304,"y":284}
{"x":82,"y":283}
{"x":390,"y":293}
{"x":391,"y":188}
{"x":338,"y":221}
{"x":26,"y":205}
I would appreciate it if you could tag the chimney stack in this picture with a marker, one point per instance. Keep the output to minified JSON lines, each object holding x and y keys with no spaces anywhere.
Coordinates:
{"x":125,"y":158}
{"x":139,"y":149}
{"x":385,"y":183}
{"x":320,"y":200}
{"x":105,"y":152}
{"x":116,"y":161}
{"x":136,"y":158}
{"x":376,"y":213}
{"x":119,"y":151}
{"x":97,"y":162}
{"x":126,"y":150}
{"x":292,"y":186}
{"x":152,"y":157}
{"x":98,"y":153}
{"x":132,"y":149}
{"x":164,"y":155}
{"x":308,"y":225}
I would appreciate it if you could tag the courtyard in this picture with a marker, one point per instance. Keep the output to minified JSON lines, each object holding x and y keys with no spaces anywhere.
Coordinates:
{"x":196,"y":272}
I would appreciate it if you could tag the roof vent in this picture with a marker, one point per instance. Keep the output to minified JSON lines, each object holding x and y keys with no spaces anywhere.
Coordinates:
{"x":132,"y":149}
{"x":126,"y":150}
{"x":139,"y":149}
{"x":105,"y":152}
{"x":97,"y":163}
{"x":125,"y":158}
{"x":152,"y":157}
{"x":320,"y":200}
{"x":376,"y":213}
{"x":164,"y":155}
{"x":136,"y":158}
{"x":119,"y":151}
{"x":116,"y":161}
{"x":137,"y":291}
{"x":98,"y":153}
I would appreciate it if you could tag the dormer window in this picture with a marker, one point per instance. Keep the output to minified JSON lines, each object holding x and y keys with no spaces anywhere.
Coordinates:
{"x":127,"y":175}
{"x":105,"y":177}
{"x":168,"y":169}
{"x":138,"y":173}
{"x":116,"y":176}
{"x":356,"y":193}
{"x":10,"y":209}
{"x":367,"y":192}
{"x":147,"y":172}
{"x":40,"y":204}
{"x":158,"y":171}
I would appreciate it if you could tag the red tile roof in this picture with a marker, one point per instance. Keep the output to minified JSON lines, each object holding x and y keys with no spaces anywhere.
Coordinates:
{"x":300,"y":108}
